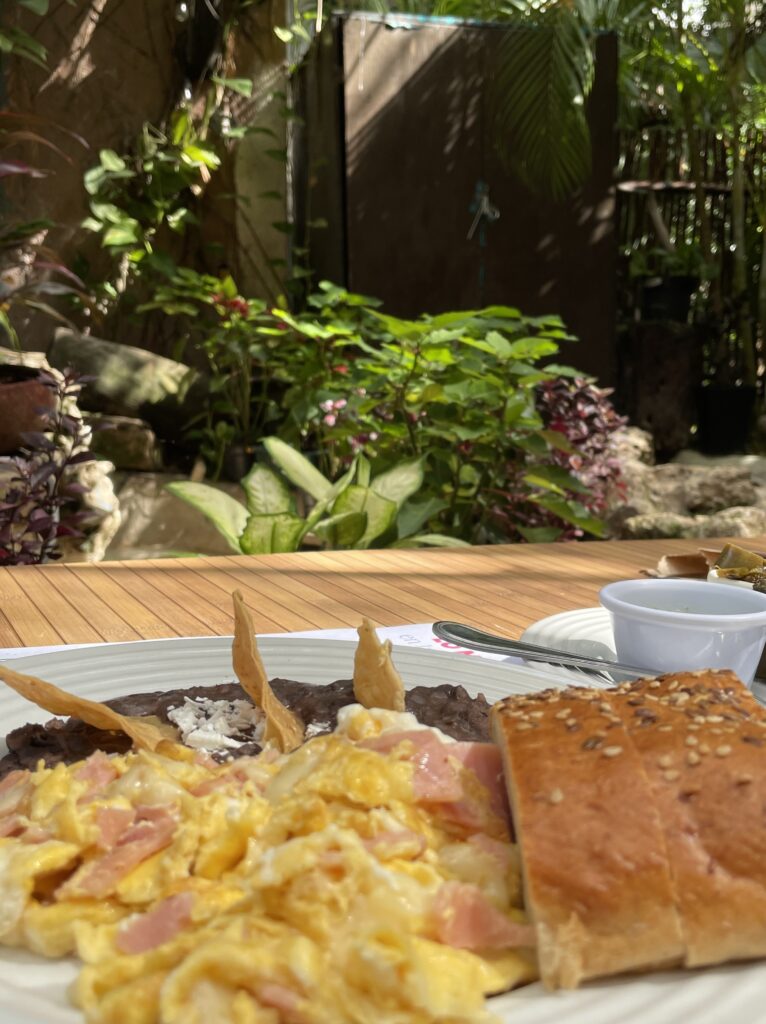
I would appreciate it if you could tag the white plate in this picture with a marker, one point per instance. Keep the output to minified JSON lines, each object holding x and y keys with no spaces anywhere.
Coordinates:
{"x":32,"y":990}
{"x":713,"y":577}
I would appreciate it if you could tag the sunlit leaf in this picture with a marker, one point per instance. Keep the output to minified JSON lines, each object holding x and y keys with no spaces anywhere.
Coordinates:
{"x":243,"y":86}
{"x":110,"y":161}
{"x":225,"y":513}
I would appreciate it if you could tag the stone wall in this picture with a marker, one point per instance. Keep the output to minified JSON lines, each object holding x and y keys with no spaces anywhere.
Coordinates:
{"x":692,"y":496}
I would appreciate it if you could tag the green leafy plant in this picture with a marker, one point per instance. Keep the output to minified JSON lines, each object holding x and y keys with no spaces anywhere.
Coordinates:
{"x":264,"y":363}
{"x":356,"y":511}
{"x":148,"y":203}
{"x":455,"y":393}
{"x":16,"y":41}
{"x":703,"y":75}
{"x":32,"y":277}
{"x":139,"y":201}
{"x":684,"y":260}
{"x":459,"y":391}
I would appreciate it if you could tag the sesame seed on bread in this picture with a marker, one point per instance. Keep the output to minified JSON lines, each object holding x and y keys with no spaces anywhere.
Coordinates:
{"x":640,"y":816}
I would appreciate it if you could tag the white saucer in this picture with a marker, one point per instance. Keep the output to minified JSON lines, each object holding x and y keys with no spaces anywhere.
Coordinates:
{"x":582,"y":631}
{"x":588,"y":631}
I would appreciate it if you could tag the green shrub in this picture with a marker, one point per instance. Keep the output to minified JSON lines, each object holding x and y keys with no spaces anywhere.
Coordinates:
{"x":357,"y":511}
{"x":458,"y":393}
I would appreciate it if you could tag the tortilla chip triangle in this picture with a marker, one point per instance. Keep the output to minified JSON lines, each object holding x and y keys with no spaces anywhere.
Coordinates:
{"x":49,"y":697}
{"x":377,"y":684}
{"x":282,"y":726}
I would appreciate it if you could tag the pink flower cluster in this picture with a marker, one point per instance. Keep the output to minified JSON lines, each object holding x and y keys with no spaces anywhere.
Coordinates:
{"x":330,"y":407}
{"x":360,"y":440}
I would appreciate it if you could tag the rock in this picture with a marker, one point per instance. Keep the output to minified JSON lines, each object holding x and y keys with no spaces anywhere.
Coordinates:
{"x":129,"y":381}
{"x":731,"y":522}
{"x":736,"y":522}
{"x":155,"y":523}
{"x":647,"y":490}
{"x":127,"y":443}
{"x":679,"y":489}
{"x":104,"y":514}
{"x":721,"y":487}
{"x":654,"y":525}
{"x":633,"y":445}
{"x":755,"y":464}
{"x":11,"y":357}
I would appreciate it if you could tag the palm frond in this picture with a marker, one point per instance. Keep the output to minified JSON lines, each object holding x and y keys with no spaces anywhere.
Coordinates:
{"x":542,"y":74}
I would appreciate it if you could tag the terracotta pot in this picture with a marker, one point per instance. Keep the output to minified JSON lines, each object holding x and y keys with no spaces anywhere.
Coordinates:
{"x":25,"y":403}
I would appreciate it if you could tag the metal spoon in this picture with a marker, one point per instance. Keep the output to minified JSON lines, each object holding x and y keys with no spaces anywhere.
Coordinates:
{"x":478,"y":640}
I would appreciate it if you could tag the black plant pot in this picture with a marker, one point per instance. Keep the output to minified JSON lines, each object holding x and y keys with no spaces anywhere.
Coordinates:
{"x":237,"y":461}
{"x":667,"y":298}
{"x":725,"y":418}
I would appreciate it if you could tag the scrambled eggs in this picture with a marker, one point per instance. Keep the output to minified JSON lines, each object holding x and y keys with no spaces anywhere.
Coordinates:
{"x":367,"y":877}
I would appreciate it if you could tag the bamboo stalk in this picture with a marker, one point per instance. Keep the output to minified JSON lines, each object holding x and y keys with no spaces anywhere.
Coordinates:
{"x":739,"y":268}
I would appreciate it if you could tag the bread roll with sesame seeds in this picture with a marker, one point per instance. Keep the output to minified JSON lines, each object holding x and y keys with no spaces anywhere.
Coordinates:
{"x":703,"y":747}
{"x":596,"y":874}
{"x":653,"y":851}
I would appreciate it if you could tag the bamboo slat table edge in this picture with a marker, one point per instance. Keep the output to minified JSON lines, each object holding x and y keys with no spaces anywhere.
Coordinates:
{"x":503,"y":588}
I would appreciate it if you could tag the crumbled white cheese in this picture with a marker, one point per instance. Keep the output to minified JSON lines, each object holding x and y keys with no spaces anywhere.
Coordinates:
{"x":314,"y":728}
{"x":217,"y":724}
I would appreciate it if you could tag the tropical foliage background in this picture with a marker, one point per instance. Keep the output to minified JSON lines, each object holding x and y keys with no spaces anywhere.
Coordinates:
{"x":502,"y":440}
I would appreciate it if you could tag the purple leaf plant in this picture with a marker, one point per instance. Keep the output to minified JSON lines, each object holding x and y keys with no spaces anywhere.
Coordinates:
{"x":42,"y":501}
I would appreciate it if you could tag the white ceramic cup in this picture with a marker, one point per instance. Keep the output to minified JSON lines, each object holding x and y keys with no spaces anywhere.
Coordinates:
{"x":681,"y":625}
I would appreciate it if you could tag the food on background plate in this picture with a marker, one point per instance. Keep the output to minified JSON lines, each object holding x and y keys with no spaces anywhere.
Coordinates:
{"x":731,"y":561}
{"x":738,"y":563}
{"x":643,"y":840}
{"x":686,"y":564}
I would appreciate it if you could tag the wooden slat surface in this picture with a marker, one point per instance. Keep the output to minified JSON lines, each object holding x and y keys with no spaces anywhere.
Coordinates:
{"x":504,"y":588}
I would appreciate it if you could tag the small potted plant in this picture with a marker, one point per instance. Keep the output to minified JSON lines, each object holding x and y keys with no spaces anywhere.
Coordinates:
{"x":727,"y":398}
{"x":667,"y":279}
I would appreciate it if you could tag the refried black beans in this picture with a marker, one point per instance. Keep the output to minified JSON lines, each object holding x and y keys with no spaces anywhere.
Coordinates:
{"x":446,"y":707}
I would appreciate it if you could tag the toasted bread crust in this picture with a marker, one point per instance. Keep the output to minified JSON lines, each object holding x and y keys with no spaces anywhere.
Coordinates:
{"x":705,"y":754}
{"x":590,"y":837}
{"x":640,"y":813}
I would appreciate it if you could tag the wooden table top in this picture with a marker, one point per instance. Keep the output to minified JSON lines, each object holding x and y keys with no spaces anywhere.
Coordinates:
{"x":503,"y":588}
